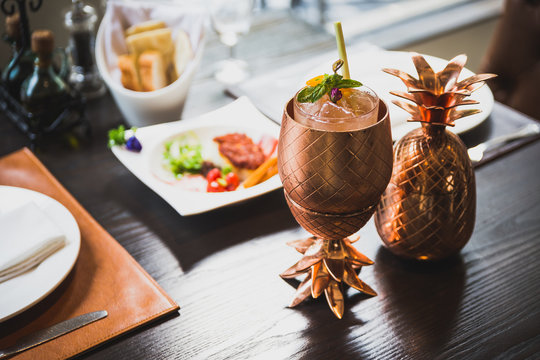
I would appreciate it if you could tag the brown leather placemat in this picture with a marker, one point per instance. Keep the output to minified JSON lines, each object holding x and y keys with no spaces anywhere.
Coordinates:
{"x":105,"y":277}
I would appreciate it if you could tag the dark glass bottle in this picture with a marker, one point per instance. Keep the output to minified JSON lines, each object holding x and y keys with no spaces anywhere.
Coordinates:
{"x":44,"y":93}
{"x":20,"y":66}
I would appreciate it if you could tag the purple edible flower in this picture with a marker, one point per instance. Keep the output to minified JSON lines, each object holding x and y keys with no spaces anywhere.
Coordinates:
{"x":133,"y":144}
{"x":335,"y":95}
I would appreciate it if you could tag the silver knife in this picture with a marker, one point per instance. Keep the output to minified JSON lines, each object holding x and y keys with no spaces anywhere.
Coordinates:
{"x":477,"y":153}
{"x":52,"y":332}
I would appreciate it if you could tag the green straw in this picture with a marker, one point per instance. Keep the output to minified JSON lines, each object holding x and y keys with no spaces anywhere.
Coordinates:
{"x":341,"y":49}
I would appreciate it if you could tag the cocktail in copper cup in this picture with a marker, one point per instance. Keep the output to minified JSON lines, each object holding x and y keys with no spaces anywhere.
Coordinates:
{"x":333,"y":176}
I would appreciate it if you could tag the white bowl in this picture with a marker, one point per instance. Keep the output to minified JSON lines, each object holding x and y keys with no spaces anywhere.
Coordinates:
{"x":147,"y":108}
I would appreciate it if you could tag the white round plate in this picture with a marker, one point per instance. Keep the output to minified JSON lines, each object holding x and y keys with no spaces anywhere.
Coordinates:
{"x":366,"y":68}
{"x":26,"y":290}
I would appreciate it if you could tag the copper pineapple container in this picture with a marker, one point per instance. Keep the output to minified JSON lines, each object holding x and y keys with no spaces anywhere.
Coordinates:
{"x":332,"y":181}
{"x":428,"y":210}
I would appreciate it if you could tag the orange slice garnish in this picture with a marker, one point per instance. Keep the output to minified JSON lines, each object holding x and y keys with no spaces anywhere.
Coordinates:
{"x":315,"y":81}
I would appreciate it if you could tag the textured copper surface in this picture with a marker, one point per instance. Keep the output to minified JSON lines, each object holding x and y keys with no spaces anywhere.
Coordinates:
{"x":328,"y":264}
{"x":428,"y":210}
{"x":329,"y":226}
{"x":335,"y":172}
{"x":332,"y":182}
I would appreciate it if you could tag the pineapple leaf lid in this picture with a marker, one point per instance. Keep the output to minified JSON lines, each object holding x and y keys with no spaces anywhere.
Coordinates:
{"x":436,"y":95}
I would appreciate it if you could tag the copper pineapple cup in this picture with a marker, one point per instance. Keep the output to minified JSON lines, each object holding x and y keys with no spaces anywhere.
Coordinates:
{"x":428,"y":210}
{"x":332,"y":181}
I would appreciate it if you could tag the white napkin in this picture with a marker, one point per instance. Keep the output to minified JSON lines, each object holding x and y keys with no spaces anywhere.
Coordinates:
{"x":120,"y":15}
{"x":27,"y":237}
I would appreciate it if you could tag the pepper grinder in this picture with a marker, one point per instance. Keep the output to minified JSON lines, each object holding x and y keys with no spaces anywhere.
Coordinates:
{"x":81,"y":23}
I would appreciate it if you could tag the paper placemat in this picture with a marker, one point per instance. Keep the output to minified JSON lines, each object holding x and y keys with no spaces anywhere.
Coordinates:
{"x":105,"y":277}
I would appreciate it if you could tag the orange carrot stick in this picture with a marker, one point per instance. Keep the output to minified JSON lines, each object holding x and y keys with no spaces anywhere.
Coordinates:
{"x":257,"y":175}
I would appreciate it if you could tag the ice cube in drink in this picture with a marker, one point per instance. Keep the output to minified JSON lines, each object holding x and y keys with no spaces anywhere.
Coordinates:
{"x":357,"y":109}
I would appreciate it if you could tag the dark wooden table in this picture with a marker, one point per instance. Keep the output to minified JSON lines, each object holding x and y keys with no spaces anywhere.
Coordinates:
{"x":222,"y":266}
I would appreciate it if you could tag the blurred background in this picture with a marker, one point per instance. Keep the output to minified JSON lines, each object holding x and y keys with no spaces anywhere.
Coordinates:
{"x":442,"y":28}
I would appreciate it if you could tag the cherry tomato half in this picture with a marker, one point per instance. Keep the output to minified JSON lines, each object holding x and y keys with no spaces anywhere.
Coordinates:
{"x":213,"y":174}
{"x":232,"y":181}
{"x":214,"y":186}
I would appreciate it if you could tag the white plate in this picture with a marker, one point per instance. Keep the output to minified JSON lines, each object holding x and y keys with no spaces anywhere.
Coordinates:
{"x":26,"y":290}
{"x":239,"y":116}
{"x":366,"y":68}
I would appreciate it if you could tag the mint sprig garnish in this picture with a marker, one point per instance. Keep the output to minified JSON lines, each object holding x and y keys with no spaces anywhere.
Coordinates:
{"x":329,"y":82}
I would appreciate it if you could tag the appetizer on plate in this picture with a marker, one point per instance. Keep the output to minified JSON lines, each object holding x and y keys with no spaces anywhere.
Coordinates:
{"x":232,"y":161}
{"x":178,"y":159}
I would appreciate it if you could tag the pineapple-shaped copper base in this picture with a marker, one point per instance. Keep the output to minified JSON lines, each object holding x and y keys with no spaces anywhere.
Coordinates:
{"x":428,"y":210}
{"x":329,"y":264}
